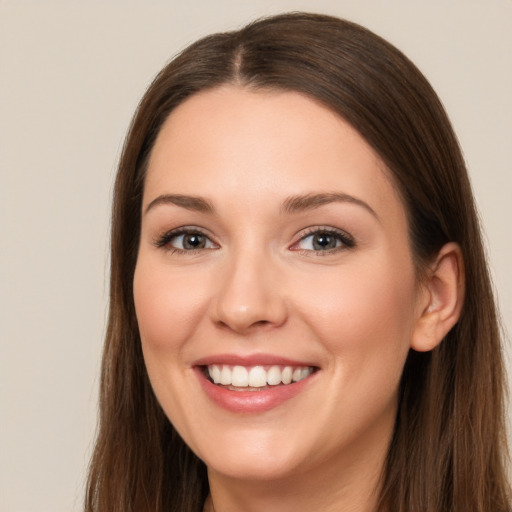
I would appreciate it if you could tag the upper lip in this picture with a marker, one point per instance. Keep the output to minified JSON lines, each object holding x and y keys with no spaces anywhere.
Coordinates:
{"x":250,"y":360}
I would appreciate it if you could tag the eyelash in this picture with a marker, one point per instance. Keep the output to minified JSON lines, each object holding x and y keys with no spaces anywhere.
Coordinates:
{"x":163,"y":241}
{"x":347,"y":242}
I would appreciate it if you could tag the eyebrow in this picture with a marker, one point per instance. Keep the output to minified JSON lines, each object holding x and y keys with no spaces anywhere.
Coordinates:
{"x":293,"y":204}
{"x":194,"y":203}
{"x":306,"y":202}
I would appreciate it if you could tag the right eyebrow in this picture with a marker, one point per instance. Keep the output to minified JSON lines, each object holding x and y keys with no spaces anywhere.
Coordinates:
{"x":194,"y":203}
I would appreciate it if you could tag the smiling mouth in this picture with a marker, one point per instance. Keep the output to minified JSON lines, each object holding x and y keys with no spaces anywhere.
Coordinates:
{"x":255,"y":378}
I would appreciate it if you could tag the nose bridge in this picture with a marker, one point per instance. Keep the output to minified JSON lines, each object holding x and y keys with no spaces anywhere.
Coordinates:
{"x":248,"y":293}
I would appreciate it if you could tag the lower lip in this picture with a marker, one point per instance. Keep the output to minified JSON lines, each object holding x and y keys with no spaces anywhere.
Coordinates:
{"x":250,"y":401}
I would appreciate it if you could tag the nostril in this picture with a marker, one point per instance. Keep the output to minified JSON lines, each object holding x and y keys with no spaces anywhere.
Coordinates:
{"x":262,"y":322}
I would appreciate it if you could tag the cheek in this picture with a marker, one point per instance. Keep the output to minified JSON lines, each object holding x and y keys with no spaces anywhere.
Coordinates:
{"x":167,"y":309}
{"x":364,"y":321}
{"x":366,"y":312}
{"x":168,"y":305}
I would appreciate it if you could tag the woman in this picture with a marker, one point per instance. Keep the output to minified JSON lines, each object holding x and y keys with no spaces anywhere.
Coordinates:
{"x":301,"y":316}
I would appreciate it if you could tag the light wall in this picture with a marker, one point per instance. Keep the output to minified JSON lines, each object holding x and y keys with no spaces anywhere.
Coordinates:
{"x":71,"y":74}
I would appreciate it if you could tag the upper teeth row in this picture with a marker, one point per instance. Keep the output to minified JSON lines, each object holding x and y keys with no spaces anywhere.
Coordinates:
{"x":257,"y":376}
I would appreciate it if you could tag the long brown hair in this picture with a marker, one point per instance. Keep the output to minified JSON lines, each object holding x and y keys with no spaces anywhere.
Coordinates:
{"x":448,"y":448}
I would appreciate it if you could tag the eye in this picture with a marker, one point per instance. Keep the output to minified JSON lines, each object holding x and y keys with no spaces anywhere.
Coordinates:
{"x":190,"y":241}
{"x":185,"y":240}
{"x":324,"y":240}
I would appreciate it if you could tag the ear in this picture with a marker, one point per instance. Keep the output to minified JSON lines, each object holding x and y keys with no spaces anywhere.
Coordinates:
{"x":440,"y":299}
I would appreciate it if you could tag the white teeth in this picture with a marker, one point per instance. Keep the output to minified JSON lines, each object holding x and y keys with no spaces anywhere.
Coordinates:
{"x":257,"y":376}
{"x":214,"y":372}
{"x":286,"y":376}
{"x":305,"y":372}
{"x":240,"y":377}
{"x":274,"y":376}
{"x":225,"y":375}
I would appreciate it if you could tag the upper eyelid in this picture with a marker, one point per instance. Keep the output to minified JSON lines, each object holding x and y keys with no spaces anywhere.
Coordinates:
{"x":164,"y":238}
{"x":303,"y":233}
{"x":181,"y":230}
{"x":348,"y":241}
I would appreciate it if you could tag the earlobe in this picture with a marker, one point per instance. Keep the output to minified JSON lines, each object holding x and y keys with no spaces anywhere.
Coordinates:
{"x":441,"y":299}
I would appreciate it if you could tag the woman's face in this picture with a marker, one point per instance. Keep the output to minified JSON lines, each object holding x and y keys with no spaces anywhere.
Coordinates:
{"x":273,"y":248}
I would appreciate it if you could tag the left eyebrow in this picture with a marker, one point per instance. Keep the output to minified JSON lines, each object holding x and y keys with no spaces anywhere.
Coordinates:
{"x":305,"y":202}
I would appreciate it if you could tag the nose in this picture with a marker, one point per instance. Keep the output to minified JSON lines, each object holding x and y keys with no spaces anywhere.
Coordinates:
{"x":249,"y":294}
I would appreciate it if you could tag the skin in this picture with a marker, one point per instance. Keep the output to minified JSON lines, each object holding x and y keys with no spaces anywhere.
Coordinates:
{"x":259,"y":287}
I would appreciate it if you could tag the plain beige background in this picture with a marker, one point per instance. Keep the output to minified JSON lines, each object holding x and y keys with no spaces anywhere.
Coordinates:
{"x":71,"y":74}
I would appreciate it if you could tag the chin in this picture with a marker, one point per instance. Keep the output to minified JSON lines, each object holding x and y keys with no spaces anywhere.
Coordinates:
{"x":253,"y":457}
{"x":264,"y":468}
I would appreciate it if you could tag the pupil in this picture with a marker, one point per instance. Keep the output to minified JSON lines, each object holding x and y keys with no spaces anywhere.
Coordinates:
{"x":324,"y":241}
{"x":194,"y":242}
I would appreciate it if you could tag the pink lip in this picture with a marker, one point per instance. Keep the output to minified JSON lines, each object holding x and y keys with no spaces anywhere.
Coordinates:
{"x":249,"y":360}
{"x":249,"y":401}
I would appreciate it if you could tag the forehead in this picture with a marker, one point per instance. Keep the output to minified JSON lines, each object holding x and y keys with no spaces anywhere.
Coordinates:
{"x":232,"y":141}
